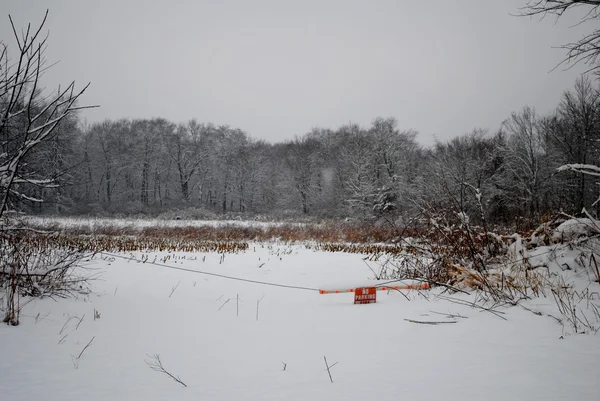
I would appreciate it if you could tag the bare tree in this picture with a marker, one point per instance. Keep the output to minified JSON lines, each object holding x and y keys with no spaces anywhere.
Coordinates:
{"x":27,"y":118}
{"x":574,"y":135}
{"x":525,"y":171}
{"x":586,"y":49}
{"x":29,"y":126}
{"x":187,"y":149}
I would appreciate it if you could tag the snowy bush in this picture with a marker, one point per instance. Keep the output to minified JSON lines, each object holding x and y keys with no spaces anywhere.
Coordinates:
{"x":576,"y":228}
{"x":29,"y":269}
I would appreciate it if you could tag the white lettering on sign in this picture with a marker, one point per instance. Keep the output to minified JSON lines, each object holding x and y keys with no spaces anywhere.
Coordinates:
{"x":365,"y":295}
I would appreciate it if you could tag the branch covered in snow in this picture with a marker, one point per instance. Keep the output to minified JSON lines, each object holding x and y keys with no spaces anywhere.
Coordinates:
{"x":28,"y":119}
{"x":588,"y":169}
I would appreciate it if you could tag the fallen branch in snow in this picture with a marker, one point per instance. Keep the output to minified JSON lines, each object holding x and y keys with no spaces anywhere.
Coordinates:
{"x":156,"y":365}
{"x":428,"y":322}
{"x":474,"y":305}
{"x":449,"y":315}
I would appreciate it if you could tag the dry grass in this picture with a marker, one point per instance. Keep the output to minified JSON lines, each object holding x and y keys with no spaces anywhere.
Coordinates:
{"x":329,"y":232}
{"x":107,"y":243}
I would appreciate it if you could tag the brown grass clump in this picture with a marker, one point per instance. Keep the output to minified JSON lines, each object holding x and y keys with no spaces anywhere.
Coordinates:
{"x":332,"y":232}
{"x":133,"y":244}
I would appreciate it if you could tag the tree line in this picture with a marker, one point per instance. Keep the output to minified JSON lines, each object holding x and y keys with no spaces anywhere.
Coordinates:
{"x":152,"y":166}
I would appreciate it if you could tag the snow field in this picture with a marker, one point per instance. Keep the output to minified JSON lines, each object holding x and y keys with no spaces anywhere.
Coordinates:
{"x":223,"y":354}
{"x":102,"y":222}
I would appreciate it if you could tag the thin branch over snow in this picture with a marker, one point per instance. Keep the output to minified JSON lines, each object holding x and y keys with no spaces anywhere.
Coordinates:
{"x":156,"y":364}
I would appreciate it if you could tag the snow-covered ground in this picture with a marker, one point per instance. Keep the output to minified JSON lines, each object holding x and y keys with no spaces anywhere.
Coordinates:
{"x":219,"y":348}
{"x":103,"y":222}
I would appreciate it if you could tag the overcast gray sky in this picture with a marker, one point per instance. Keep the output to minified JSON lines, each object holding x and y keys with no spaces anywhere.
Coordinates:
{"x":278,"y":68}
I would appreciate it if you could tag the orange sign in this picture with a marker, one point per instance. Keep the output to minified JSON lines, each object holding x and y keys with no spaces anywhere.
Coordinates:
{"x":367,"y":295}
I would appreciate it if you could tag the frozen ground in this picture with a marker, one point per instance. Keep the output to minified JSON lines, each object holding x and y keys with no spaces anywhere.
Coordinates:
{"x":224,"y":353}
{"x":100,"y":222}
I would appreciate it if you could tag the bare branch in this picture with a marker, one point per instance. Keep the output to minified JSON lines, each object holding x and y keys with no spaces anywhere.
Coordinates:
{"x":156,"y":364}
{"x":587,"y":49}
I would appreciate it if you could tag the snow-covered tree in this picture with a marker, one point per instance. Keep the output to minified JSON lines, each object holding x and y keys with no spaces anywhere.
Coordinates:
{"x":28,"y":117}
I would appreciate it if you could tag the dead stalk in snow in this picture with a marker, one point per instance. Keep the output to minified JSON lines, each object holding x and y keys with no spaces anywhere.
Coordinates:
{"x":174,"y":288}
{"x":80,"y":320}
{"x":474,"y":305}
{"x":568,"y":302}
{"x":284,"y":365}
{"x":156,"y":364}
{"x":593,"y":258}
{"x":329,"y":368}
{"x":39,"y":319}
{"x":224,"y":303}
{"x":66,"y":323}
{"x":450,"y":315}
{"x":428,"y":322}
{"x":76,"y":359}
{"x":258,"y":305}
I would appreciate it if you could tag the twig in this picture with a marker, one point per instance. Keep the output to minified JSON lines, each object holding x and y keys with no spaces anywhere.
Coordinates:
{"x":400,"y":292}
{"x":80,"y":320}
{"x":76,"y":359}
{"x":593,"y":258}
{"x":174,"y":288}
{"x":84,"y":348}
{"x":474,"y":305}
{"x":65,"y":325}
{"x":257,"y":305}
{"x":426,"y":322}
{"x":449,"y":315}
{"x":39,"y":319}
{"x":228,"y":299}
{"x":156,"y":365}
{"x":329,"y":368}
{"x":284,"y":366}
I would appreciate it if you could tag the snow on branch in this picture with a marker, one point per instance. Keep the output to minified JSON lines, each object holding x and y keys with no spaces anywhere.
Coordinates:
{"x":28,"y":118}
{"x":589,"y":169}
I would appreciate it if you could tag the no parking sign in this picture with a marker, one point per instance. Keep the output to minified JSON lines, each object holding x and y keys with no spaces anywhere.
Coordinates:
{"x":366,"y":295}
